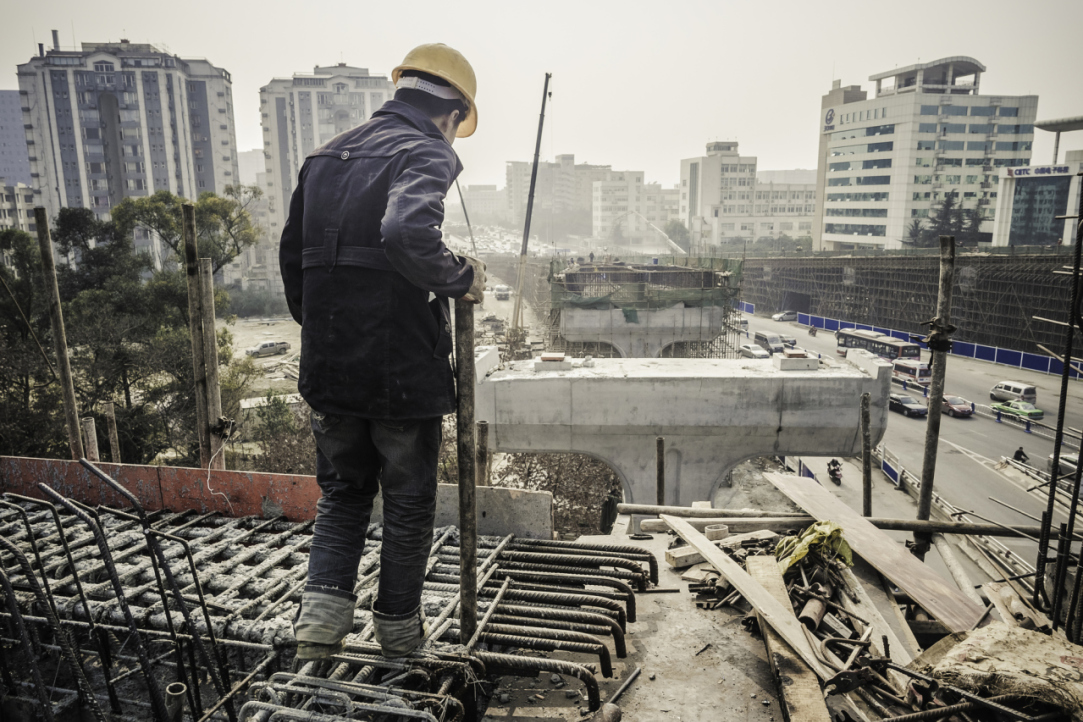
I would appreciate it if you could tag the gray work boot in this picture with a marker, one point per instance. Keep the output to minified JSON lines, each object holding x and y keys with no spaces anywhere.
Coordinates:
{"x":323,"y":624}
{"x":399,"y":634}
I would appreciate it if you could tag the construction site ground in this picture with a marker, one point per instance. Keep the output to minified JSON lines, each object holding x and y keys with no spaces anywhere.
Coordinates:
{"x":730,"y":679}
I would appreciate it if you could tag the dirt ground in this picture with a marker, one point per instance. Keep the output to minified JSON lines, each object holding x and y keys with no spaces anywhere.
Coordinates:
{"x":248,"y":332}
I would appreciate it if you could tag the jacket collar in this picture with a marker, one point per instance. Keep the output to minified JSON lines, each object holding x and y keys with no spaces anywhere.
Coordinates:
{"x":412,"y":116}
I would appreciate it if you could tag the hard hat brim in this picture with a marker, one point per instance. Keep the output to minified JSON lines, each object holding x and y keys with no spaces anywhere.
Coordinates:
{"x":470,"y":123}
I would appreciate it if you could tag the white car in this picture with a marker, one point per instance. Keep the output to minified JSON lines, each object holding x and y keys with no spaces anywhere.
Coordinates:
{"x":751,"y":350}
{"x":785,"y":316}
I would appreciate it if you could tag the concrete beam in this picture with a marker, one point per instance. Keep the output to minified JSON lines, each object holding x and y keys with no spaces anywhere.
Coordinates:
{"x":643,"y":333}
{"x":712,"y":413}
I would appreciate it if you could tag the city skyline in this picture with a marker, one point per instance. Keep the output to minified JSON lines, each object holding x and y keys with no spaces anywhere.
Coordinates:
{"x":655,"y":86}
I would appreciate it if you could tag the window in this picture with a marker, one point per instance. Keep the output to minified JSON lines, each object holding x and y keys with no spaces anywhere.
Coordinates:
{"x":136,"y":167}
{"x":881,"y":147}
{"x":981,"y":128}
{"x":976,"y":161}
{"x":199,"y":168}
{"x":1009,"y":112}
{"x":926,"y":127}
{"x":1014,"y":145}
{"x":833,"y":167}
{"x":838,"y":181}
{"x":92,"y":133}
{"x":923,"y":179}
{"x":926,"y":145}
{"x":946,"y":128}
{"x":930,"y":110}
{"x":726,"y":226}
{"x":1025,"y":129}
{"x":874,"y":180}
{"x":878,"y":163}
{"x":862,"y":197}
{"x":856,"y":229}
{"x":919,"y":212}
{"x":203,"y":184}
{"x":983,"y":110}
{"x":857,"y":212}
{"x":979,"y":145}
{"x":954,"y":110}
{"x":102,"y":67}
{"x":953,"y":179}
{"x":949,"y":162}
{"x":950,"y":144}
{"x":136,"y":184}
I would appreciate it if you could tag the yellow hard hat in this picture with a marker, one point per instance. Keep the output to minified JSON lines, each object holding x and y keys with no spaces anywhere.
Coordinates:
{"x":447,"y":63}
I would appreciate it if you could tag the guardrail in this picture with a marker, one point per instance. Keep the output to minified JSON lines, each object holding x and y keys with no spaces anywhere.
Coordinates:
{"x":993,"y":354}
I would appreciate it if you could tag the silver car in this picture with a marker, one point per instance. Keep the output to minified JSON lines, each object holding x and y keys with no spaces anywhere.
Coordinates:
{"x":751,"y":350}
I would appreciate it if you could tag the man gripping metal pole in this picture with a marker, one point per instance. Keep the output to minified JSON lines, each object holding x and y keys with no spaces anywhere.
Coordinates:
{"x":368,"y":277}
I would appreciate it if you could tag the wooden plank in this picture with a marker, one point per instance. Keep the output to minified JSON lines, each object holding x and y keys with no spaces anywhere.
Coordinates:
{"x":865,"y":608}
{"x":993,"y":591}
{"x":912,"y":645}
{"x":780,"y":617}
{"x":936,"y":595}
{"x":798,"y":689}
{"x":737,"y":525}
{"x":682,"y":557}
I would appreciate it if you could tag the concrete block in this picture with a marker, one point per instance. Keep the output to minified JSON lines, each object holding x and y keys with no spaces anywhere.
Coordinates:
{"x":701,"y":505}
{"x":783,"y":363}
{"x":501,"y":511}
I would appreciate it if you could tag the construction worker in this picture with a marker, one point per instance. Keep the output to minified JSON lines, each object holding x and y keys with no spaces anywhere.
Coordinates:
{"x":368,"y":277}
{"x":1021,"y":456}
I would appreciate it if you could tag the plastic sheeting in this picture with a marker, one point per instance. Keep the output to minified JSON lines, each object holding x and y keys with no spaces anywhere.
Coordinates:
{"x":824,"y":537}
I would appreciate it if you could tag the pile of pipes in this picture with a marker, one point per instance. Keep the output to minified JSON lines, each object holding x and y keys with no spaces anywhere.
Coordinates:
{"x":124,"y":614}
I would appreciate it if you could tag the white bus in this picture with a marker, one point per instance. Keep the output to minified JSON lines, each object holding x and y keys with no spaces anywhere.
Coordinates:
{"x":911,"y":371}
{"x":886,"y":347}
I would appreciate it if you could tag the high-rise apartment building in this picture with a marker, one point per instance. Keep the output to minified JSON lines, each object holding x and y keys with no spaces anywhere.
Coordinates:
{"x":562,"y":187}
{"x":17,"y":201}
{"x":301,"y":113}
{"x":14,"y":163}
{"x":724,"y":197}
{"x":117,"y":120}
{"x":890,"y":160}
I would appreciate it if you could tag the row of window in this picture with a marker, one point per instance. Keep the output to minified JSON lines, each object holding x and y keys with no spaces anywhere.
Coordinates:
{"x":857,"y":212}
{"x":863,"y":165}
{"x":974,"y":110}
{"x":738,"y":168}
{"x":863,"y":148}
{"x":859,"y":197}
{"x":855,"y":229}
{"x":859,"y":116}
{"x":868,"y":180}
{"x":864,"y":132}
{"x":763,"y":209}
{"x":976,"y":128}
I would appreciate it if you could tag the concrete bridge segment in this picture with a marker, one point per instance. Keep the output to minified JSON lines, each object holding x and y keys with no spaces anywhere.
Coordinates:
{"x":712,"y":413}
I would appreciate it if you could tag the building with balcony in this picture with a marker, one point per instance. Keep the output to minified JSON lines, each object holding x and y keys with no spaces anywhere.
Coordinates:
{"x":116,"y":120}
{"x":301,"y":113}
{"x":14,"y":164}
{"x":885,"y":163}
{"x":17,"y":201}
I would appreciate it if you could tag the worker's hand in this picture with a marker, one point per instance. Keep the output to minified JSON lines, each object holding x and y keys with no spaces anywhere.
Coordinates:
{"x":476,"y":294}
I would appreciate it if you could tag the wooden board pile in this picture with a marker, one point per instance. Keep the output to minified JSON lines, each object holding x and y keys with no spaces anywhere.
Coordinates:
{"x":833,"y":652}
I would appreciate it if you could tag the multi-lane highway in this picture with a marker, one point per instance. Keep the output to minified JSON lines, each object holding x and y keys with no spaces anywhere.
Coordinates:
{"x":969,"y":448}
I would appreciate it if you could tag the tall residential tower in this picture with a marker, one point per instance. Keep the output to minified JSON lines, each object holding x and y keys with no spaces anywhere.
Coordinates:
{"x":890,"y":160}
{"x":117,"y":120}
{"x":301,"y":113}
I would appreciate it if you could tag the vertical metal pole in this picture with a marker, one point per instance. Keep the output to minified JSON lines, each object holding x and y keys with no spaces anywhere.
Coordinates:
{"x":866,"y":457}
{"x":1056,"y":146}
{"x":516,"y":315}
{"x":195,"y":330}
{"x":936,"y":390}
{"x":468,"y":513}
{"x":473,"y":246}
{"x":660,"y":470}
{"x":114,"y":438}
{"x":483,"y":454}
{"x":210,"y":355}
{"x":60,"y":340}
{"x":90,"y":438}
{"x":1047,"y":518}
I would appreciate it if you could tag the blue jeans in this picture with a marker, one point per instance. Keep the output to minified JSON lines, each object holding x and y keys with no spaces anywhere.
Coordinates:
{"x":355,"y":458}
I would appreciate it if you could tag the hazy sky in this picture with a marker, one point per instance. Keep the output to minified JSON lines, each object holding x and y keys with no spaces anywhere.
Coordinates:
{"x":637,"y":85}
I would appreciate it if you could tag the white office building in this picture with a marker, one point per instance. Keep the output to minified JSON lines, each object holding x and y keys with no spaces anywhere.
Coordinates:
{"x":117,"y":120}
{"x":561,"y":187}
{"x":724,"y":198}
{"x":891,"y":159}
{"x":301,"y":113}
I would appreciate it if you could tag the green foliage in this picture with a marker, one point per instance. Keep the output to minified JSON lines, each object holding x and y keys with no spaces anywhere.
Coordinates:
{"x":949,"y":218}
{"x":678,"y":233}
{"x":256,"y":302}
{"x":126,"y":327}
{"x":224,"y":225}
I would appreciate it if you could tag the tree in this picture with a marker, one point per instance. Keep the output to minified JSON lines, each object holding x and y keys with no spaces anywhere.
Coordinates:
{"x":915,"y":233}
{"x":678,"y":234}
{"x":224,"y":225}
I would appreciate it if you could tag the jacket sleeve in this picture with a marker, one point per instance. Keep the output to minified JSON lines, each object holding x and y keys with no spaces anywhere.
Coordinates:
{"x":290,"y":250}
{"x":411,"y":225}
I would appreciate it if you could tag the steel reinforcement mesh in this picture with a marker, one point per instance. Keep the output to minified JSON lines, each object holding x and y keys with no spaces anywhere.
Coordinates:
{"x":118,"y":614}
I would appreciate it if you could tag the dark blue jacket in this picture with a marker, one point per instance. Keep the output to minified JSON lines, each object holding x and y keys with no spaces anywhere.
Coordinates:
{"x":360,"y":254}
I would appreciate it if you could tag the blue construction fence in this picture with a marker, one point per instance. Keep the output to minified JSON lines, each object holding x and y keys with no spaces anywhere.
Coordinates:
{"x":1006,"y":357}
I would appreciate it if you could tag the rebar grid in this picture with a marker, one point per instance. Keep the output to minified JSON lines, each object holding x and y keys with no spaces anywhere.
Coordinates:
{"x":120,"y":614}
